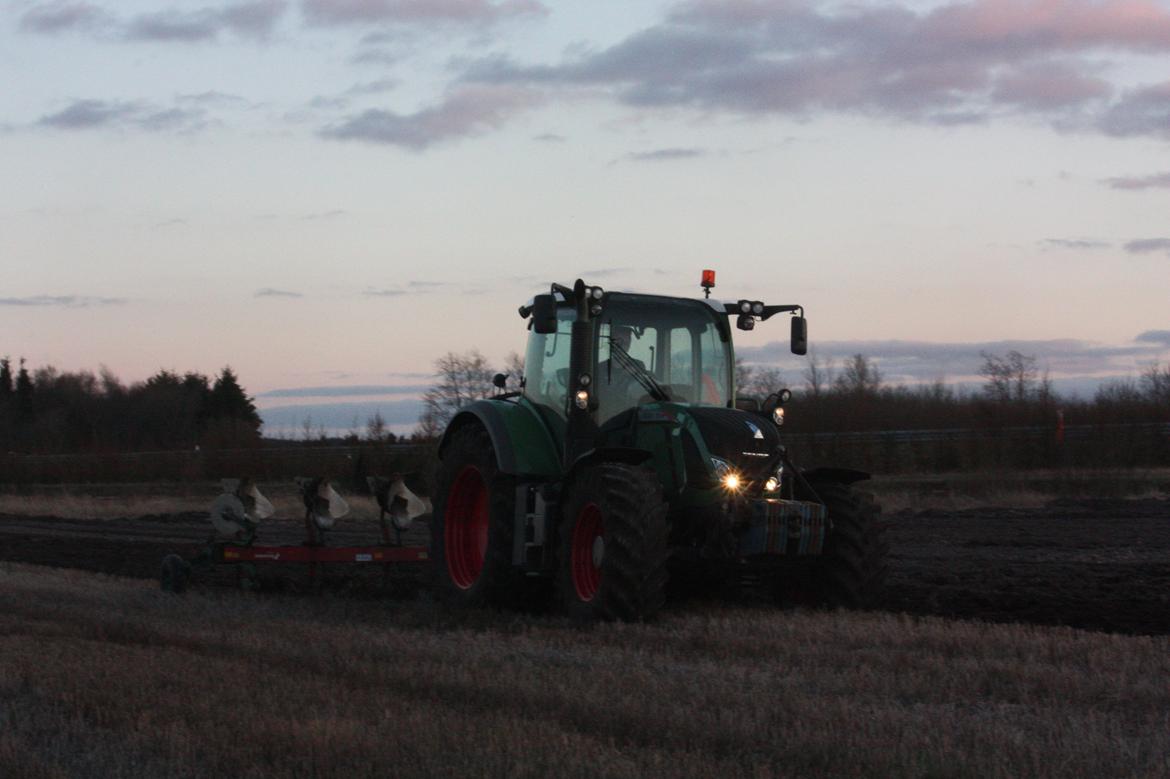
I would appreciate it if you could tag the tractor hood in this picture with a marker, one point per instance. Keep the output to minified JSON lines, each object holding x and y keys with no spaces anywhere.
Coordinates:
{"x":747,"y":441}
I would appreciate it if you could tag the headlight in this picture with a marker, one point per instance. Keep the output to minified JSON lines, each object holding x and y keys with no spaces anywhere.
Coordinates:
{"x":582,"y":399}
{"x":728,"y":478}
{"x":778,"y":415}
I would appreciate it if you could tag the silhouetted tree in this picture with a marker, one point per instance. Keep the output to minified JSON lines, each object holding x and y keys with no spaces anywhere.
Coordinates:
{"x":24,"y":395}
{"x":231,"y":414}
{"x":6,"y":388}
{"x":859,"y":377}
{"x":462,"y":378}
{"x":1012,"y":377}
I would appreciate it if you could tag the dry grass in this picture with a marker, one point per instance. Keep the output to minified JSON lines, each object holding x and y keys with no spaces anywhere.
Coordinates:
{"x":109,"y":677}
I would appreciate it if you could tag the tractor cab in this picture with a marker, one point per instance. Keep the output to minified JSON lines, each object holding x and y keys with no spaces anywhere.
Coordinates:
{"x":594,"y":356}
{"x":641,"y":349}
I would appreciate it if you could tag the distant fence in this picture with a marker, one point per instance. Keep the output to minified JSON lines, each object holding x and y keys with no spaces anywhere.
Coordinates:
{"x":888,"y":451}
{"x":893,"y":451}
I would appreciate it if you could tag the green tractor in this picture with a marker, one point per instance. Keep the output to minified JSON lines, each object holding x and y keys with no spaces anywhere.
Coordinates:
{"x":627,"y":458}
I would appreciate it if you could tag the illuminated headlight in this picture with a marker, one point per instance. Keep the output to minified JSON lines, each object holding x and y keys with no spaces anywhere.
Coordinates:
{"x":773,"y":483}
{"x":596,"y":293}
{"x":730,"y":480}
{"x":778,"y":415}
{"x":582,"y":399}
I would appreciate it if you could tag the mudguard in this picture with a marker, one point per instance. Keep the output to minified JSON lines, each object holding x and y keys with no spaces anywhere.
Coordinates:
{"x":524,"y":446}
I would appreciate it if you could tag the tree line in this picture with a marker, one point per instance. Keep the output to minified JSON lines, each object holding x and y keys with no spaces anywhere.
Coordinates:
{"x":48,"y":411}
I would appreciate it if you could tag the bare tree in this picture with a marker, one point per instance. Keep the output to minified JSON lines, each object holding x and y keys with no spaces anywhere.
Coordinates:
{"x":1012,"y":377}
{"x":514,"y":368}
{"x":376,"y":428}
{"x":859,"y":376}
{"x":757,"y":381}
{"x":818,"y":375}
{"x":1155,"y":383}
{"x":461,"y":379}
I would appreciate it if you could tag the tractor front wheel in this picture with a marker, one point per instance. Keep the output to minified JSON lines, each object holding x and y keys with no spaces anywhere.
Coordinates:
{"x":471,"y":527}
{"x":613,"y":545}
{"x":851,"y":572}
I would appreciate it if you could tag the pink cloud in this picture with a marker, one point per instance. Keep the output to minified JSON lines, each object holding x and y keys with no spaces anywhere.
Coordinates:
{"x":330,"y":12}
{"x":1053,"y":23}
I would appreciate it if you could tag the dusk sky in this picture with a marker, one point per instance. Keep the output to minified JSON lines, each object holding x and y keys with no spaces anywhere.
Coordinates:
{"x":328,"y":194}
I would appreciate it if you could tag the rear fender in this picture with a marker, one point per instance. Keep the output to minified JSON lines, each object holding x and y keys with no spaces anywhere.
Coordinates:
{"x":523,"y":445}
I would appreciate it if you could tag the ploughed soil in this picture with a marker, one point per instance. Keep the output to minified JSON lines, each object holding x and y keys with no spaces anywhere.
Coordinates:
{"x":1100,"y":564}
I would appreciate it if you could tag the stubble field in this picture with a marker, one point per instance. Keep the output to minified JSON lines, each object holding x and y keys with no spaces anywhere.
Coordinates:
{"x":103,"y":675}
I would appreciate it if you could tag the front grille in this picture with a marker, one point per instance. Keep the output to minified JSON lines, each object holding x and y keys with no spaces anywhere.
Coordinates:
{"x":732,"y":435}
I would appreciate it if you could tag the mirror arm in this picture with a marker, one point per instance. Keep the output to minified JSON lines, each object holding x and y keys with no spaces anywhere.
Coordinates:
{"x":772,"y":310}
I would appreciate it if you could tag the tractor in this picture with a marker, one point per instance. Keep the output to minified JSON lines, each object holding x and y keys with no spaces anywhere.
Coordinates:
{"x":626,"y":458}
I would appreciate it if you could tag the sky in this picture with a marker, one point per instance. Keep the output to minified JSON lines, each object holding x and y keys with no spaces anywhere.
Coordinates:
{"x":328,"y":194}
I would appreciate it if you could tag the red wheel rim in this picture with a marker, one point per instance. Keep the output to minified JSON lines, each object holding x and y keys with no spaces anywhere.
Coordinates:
{"x":466,"y":527}
{"x":585,"y":570}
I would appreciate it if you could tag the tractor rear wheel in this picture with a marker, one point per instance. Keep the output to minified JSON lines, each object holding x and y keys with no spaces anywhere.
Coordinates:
{"x":851,"y":572}
{"x":471,"y":527}
{"x":613,"y":545}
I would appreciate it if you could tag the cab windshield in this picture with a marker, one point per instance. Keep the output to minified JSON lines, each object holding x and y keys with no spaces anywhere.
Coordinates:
{"x":652,"y":348}
{"x":646,"y":348}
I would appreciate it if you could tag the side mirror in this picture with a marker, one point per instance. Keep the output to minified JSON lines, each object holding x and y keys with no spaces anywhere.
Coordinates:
{"x":775,"y":400}
{"x":799,"y":335}
{"x":500,"y":380}
{"x":544,"y":314}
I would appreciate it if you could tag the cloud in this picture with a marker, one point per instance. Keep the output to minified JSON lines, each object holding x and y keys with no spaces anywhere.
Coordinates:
{"x":376,"y":87}
{"x":323,"y":215}
{"x":1152,"y":181}
{"x":214,"y":99}
{"x":58,"y":17}
{"x":252,"y":19}
{"x":98,"y":114}
{"x":412,"y":288}
{"x":339,"y":416}
{"x":1161,"y":337}
{"x":84,"y":114}
{"x":62,"y":301}
{"x":269,"y":292}
{"x":246,"y":18}
{"x":1073,"y":243}
{"x":341,"y":392}
{"x":1147,"y":245}
{"x":342,"y":12}
{"x":915,"y":361}
{"x":1144,"y":111}
{"x":549,"y":138}
{"x":957,"y":63}
{"x":659,"y":155}
{"x":469,"y":110}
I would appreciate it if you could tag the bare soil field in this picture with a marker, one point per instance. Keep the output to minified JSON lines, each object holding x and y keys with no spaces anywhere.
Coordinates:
{"x":1100,"y":564}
